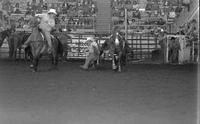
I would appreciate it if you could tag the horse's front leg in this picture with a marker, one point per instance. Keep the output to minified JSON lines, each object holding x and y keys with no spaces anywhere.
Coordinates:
{"x":15,"y":54}
{"x":20,"y":53}
{"x":54,"y":60}
{"x":119,"y":66}
{"x":34,"y":64}
{"x":99,"y":57}
{"x":119,"y":62}
{"x":98,"y":61}
{"x":113,"y":63}
{"x":27,"y":54}
{"x":10,"y":53}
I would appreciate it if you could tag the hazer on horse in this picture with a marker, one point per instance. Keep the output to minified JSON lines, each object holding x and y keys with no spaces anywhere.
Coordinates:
{"x":118,"y":48}
{"x":41,"y":42}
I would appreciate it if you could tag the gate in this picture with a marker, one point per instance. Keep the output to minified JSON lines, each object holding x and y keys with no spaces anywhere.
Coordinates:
{"x":142,"y":45}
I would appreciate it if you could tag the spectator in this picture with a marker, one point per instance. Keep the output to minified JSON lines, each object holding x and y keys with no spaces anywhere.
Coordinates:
{"x":174,"y":47}
{"x":192,"y":34}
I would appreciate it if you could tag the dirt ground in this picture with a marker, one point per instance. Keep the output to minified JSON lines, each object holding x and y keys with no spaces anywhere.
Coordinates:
{"x":141,"y":94}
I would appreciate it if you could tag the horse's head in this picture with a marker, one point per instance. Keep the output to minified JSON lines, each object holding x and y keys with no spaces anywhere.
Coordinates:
{"x":6,"y":33}
{"x":117,"y":40}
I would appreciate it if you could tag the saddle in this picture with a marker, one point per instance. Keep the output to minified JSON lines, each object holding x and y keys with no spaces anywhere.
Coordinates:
{"x":42,"y":35}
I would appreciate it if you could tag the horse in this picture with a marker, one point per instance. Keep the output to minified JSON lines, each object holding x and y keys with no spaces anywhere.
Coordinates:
{"x":15,"y":41}
{"x":4,"y":34}
{"x":118,"y":48}
{"x":39,"y":47}
{"x":64,"y":39}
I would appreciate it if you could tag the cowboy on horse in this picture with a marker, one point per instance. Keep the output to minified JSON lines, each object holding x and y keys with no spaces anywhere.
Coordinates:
{"x":46,"y":24}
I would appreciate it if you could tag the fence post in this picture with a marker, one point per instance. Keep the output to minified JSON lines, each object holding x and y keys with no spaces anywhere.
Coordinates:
{"x":126,"y":25}
{"x":141,"y":47}
{"x":132,"y":55}
{"x":167,"y":51}
{"x":193,"y":52}
{"x":79,"y":45}
{"x":93,"y":23}
{"x":148,"y":46}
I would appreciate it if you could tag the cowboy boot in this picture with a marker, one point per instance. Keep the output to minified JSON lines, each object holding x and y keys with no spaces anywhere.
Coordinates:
{"x":114,"y":65}
{"x":86,"y":65}
{"x":50,"y":50}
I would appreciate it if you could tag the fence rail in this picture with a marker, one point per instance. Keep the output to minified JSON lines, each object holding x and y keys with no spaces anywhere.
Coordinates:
{"x":141,"y":45}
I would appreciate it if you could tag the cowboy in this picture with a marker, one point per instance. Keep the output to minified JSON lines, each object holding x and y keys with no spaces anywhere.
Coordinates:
{"x":47,"y":24}
{"x":92,"y":53}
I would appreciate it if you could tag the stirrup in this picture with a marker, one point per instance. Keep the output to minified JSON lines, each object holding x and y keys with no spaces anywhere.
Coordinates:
{"x":24,"y":46}
{"x":50,"y":50}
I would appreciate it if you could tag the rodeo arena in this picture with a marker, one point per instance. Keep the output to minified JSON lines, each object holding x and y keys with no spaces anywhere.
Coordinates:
{"x":99,"y":62}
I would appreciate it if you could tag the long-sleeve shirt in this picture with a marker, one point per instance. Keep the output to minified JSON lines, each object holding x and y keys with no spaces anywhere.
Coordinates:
{"x":92,"y":48}
{"x":47,"y":20}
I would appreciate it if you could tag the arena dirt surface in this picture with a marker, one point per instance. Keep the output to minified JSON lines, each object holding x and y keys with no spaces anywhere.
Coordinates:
{"x":141,"y":94}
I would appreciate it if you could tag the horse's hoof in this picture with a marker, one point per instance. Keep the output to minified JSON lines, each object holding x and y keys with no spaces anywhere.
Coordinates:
{"x":31,"y":66}
{"x":83,"y":67}
{"x":114,"y":67}
{"x":34,"y":70}
{"x":119,"y":69}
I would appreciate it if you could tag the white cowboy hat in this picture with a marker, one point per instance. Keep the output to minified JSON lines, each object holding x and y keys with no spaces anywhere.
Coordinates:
{"x":52,"y":11}
{"x":90,"y":39}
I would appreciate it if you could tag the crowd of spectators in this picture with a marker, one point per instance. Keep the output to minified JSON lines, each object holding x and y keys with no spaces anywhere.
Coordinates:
{"x":77,"y":13}
{"x":190,"y":30}
{"x":78,"y":8}
{"x":153,"y":8}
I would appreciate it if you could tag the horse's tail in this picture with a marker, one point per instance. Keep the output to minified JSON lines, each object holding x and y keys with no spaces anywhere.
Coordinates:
{"x":1,"y":42}
{"x":60,"y":49}
{"x":11,"y":46}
